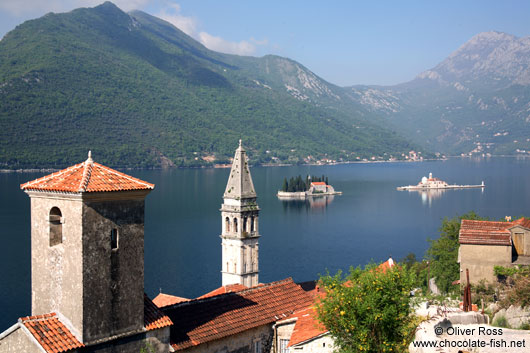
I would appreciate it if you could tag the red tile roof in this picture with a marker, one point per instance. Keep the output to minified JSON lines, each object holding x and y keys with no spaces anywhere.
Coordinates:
{"x":236,"y":287}
{"x":162,"y":300}
{"x":203,"y":320}
{"x":485,"y":232}
{"x":318,"y":183}
{"x":87,"y":177}
{"x":387,"y":265}
{"x":153,"y":317}
{"x":523,"y":222}
{"x":50,"y":333}
{"x":307,"y":326}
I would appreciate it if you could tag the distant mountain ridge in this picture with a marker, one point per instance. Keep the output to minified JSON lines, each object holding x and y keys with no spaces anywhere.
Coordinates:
{"x":138,"y":92}
{"x":475,"y":101}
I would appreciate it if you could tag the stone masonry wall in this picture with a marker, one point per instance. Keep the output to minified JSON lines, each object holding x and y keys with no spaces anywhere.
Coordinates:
{"x":480,"y":259}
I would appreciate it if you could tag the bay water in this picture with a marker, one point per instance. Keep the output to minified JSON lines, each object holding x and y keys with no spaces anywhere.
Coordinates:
{"x":370,"y":221}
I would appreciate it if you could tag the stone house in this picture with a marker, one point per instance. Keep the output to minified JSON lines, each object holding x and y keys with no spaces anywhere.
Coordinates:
{"x":485,"y":244}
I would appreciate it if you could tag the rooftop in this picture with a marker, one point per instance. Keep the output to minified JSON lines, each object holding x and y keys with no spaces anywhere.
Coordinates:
{"x":50,"y":333}
{"x":153,"y":317}
{"x":87,"y":177}
{"x":485,"y":232}
{"x":236,"y":287}
{"x":162,"y":300}
{"x":307,"y":326}
{"x":203,"y":320}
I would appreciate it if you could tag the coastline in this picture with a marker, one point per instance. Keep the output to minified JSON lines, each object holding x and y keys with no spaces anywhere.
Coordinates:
{"x":224,"y":166}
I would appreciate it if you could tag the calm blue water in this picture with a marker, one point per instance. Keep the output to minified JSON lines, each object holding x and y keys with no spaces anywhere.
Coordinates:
{"x":370,"y":221}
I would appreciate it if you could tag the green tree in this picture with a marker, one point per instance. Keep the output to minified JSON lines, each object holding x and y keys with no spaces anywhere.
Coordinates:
{"x":368,"y":311}
{"x":285,"y":185}
{"x":443,"y":252}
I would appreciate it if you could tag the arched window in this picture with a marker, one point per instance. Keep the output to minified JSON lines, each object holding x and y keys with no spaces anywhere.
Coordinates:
{"x":244,"y":228}
{"x":56,"y":226}
{"x":227,"y":224}
{"x":235,"y":225}
{"x":251,"y":224}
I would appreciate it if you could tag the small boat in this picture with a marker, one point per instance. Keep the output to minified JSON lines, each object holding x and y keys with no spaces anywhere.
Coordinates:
{"x":431,"y":183}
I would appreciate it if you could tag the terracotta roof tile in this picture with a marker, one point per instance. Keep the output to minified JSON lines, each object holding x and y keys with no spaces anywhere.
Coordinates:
{"x":224,"y":289}
{"x":51,"y":333}
{"x":485,"y":232}
{"x":153,"y":317}
{"x":523,"y":222}
{"x":387,"y":265}
{"x":86,"y":177}
{"x":203,"y":320}
{"x":162,"y":300}
{"x":307,"y":326}
{"x":318,"y":183}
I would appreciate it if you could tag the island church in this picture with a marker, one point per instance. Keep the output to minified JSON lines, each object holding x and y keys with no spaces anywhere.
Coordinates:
{"x":87,"y":276}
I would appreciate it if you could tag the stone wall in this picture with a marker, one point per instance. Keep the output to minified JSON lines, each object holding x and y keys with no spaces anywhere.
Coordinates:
{"x":56,"y":271}
{"x":480,"y":259}
{"x":156,"y":341}
{"x":113,"y":279}
{"x":240,"y":343}
{"x":322,"y":344}
{"x":18,"y":341}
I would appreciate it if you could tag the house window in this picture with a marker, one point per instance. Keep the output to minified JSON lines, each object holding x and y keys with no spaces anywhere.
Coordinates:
{"x":257,"y":347}
{"x":114,"y":239}
{"x":56,"y":226}
{"x":283,"y":346}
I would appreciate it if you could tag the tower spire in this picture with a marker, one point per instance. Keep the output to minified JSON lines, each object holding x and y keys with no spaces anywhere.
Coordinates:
{"x":240,"y":185}
{"x":239,"y":217}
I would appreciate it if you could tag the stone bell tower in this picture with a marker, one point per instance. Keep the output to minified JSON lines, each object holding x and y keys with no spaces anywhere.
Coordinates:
{"x":239,"y":217}
{"x":87,"y":247}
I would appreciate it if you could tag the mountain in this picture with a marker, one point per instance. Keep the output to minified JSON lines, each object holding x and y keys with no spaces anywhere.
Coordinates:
{"x":475,"y":101}
{"x":138,"y":92}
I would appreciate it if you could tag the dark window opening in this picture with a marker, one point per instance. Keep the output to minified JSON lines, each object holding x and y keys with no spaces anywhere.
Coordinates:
{"x":56,"y":226}
{"x":114,"y":239}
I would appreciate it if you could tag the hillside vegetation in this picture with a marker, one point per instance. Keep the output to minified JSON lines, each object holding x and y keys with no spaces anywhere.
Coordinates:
{"x":138,"y":92}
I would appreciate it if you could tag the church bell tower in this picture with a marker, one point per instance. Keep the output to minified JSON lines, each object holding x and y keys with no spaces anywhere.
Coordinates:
{"x":239,"y":217}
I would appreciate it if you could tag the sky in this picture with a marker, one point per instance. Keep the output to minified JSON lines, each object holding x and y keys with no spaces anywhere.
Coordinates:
{"x":346,"y":42}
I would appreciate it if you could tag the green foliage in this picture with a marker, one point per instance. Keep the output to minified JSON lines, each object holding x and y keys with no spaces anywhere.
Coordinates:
{"x":368,"y":311}
{"x":500,"y":321}
{"x":483,"y":291}
{"x":139,"y":93}
{"x":418,"y":269}
{"x":517,"y":289}
{"x":297,"y":184}
{"x":443,"y":252}
{"x":501,"y":271}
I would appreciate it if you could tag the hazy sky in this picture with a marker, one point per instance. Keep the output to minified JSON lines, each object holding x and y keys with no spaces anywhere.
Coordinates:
{"x":345,"y":42}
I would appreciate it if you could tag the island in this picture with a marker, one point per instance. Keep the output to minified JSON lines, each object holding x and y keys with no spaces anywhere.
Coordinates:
{"x":431,"y":183}
{"x":299,"y":188}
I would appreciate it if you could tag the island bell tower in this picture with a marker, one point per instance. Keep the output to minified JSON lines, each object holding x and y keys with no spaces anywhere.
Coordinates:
{"x":239,"y":216}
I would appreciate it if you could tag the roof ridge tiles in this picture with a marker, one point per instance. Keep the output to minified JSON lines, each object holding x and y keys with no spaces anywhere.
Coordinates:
{"x":86,"y":177}
{"x":227,"y":294}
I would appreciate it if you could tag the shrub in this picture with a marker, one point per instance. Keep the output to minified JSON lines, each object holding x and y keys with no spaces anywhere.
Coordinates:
{"x":369,"y":310}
